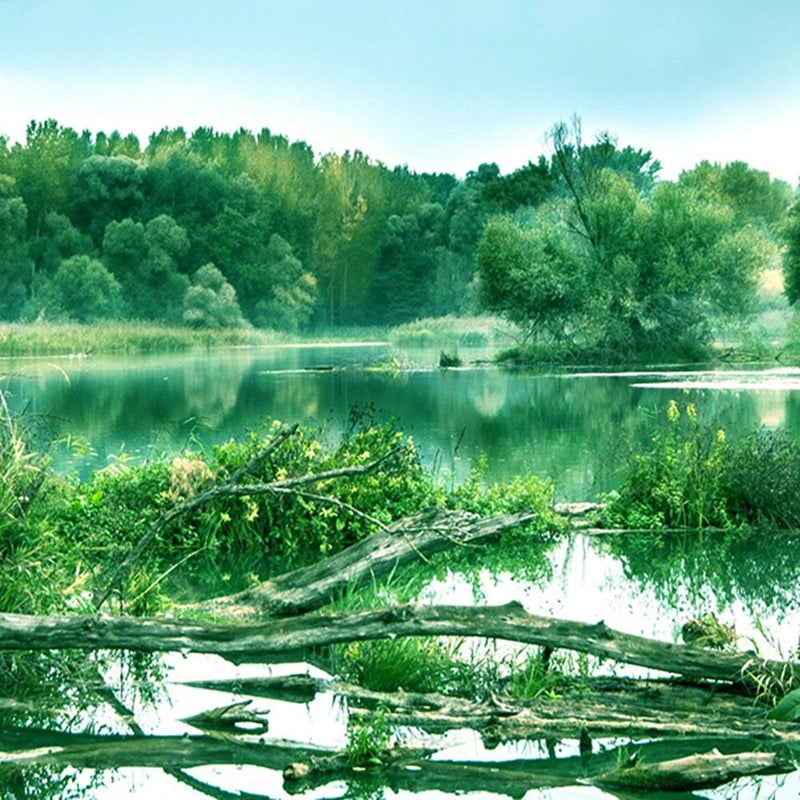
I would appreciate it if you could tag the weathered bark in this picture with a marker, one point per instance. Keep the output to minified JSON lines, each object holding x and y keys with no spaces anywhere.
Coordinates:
{"x":26,"y":747}
{"x":282,"y":638}
{"x":602,"y":708}
{"x":405,"y":540}
{"x":406,"y":769}
{"x":702,"y":771}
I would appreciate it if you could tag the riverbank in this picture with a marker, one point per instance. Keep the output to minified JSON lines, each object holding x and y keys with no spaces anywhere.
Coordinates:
{"x":129,"y":338}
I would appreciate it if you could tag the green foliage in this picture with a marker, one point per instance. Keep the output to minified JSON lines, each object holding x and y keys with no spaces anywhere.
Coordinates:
{"x":110,"y":510}
{"x":37,"y":570}
{"x":367,"y":741}
{"x":694,"y":477}
{"x":530,"y":493}
{"x":285,"y":294}
{"x":618,"y":267}
{"x":211,"y":301}
{"x":791,"y":257}
{"x":342,"y":240}
{"x":529,"y":277}
{"x":15,"y":263}
{"x":540,"y":675}
{"x":44,"y":338}
{"x":751,"y":193}
{"x":678,"y":483}
{"x":82,"y":290}
{"x":414,"y":663}
{"x":788,"y":708}
{"x":761,"y":483}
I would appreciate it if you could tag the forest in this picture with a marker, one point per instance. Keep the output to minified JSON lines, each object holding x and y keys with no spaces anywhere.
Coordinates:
{"x":582,"y":247}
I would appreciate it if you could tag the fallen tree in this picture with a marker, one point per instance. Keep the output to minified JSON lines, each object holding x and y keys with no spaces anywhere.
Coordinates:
{"x":291,"y":637}
{"x":408,"y":539}
{"x":402,"y":766}
{"x":701,"y":771}
{"x":597,"y":708}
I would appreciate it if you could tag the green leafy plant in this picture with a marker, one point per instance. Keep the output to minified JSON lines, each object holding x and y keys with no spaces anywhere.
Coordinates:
{"x":787,"y":709}
{"x":694,"y":477}
{"x":367,"y":741}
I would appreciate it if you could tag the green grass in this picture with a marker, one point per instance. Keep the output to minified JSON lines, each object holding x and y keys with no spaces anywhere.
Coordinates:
{"x":450,"y":332}
{"x":17,"y":339}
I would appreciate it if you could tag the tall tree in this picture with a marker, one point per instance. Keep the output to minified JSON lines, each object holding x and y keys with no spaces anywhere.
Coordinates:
{"x":108,"y":188}
{"x":46,"y":169}
{"x":16,"y":266}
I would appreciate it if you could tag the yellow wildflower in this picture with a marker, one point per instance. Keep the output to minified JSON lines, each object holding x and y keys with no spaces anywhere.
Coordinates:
{"x":673,"y":413}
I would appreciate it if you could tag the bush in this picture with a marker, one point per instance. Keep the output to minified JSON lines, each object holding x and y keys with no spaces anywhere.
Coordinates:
{"x":694,"y":477}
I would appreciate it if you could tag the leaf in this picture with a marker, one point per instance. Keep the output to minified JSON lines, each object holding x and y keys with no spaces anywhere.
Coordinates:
{"x":788,"y":709}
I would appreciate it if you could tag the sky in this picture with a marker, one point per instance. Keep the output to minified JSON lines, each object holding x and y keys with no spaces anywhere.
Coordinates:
{"x":437,"y":85}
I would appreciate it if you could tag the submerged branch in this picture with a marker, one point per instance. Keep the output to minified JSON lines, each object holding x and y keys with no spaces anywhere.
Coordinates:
{"x":405,"y":540}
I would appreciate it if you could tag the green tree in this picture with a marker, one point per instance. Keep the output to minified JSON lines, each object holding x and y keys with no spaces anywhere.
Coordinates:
{"x":16,"y":266}
{"x":146,"y":260}
{"x":46,"y":169}
{"x":289,"y":294}
{"x":647,"y":268}
{"x":402,"y":287}
{"x":791,"y":256}
{"x":349,"y":230}
{"x":83,"y":290}
{"x":211,"y":301}
{"x":752,"y":194}
{"x":530,"y":185}
{"x":108,"y":188}
{"x":532,"y":277}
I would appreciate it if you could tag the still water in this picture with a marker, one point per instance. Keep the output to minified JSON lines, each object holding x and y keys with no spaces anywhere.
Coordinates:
{"x":574,"y":427}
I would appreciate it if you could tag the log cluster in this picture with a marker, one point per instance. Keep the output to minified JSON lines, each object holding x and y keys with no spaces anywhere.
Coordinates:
{"x":281,"y":620}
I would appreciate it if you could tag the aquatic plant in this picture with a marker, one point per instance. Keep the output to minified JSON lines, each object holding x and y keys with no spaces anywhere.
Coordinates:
{"x":367,"y":740}
{"x":694,"y":476}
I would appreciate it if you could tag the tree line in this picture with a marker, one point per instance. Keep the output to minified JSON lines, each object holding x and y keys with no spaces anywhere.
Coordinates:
{"x":215,"y":229}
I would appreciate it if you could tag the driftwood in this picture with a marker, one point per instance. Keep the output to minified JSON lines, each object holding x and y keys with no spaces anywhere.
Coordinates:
{"x":702,"y":771}
{"x":402,"y":767}
{"x":287,"y":638}
{"x":231,"y":718}
{"x":406,"y":540}
{"x":601,"y":708}
{"x":27,"y":747}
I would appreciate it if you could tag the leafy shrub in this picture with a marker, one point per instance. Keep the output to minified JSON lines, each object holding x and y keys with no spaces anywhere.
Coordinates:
{"x":367,"y":741}
{"x":693,"y":476}
{"x":762,"y":479}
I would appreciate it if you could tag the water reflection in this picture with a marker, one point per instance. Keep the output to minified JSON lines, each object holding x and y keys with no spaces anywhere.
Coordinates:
{"x":574,"y":428}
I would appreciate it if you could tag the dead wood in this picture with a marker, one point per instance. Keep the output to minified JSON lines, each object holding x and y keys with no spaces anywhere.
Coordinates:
{"x":27,"y":748}
{"x":233,"y":718}
{"x":291,"y":637}
{"x":629,"y":708}
{"x":183,"y":508}
{"x":702,"y":771}
{"x":405,"y":540}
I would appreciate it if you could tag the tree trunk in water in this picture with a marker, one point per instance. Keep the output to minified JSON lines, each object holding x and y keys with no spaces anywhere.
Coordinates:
{"x":287,"y":638}
{"x":406,"y":540}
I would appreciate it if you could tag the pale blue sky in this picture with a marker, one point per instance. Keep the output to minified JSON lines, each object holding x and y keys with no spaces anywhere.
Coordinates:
{"x":438,"y":85}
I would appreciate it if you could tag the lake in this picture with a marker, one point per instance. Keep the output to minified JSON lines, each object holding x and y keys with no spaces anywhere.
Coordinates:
{"x":572,"y":426}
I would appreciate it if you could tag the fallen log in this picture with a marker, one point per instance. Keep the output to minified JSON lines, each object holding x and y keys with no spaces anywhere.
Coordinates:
{"x":26,"y":747}
{"x":283,"y":639}
{"x":406,"y":540}
{"x":703,"y":771}
{"x":633,"y":709}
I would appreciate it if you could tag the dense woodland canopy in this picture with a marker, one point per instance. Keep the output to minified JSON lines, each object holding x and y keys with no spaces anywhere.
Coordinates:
{"x":214,"y":229}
